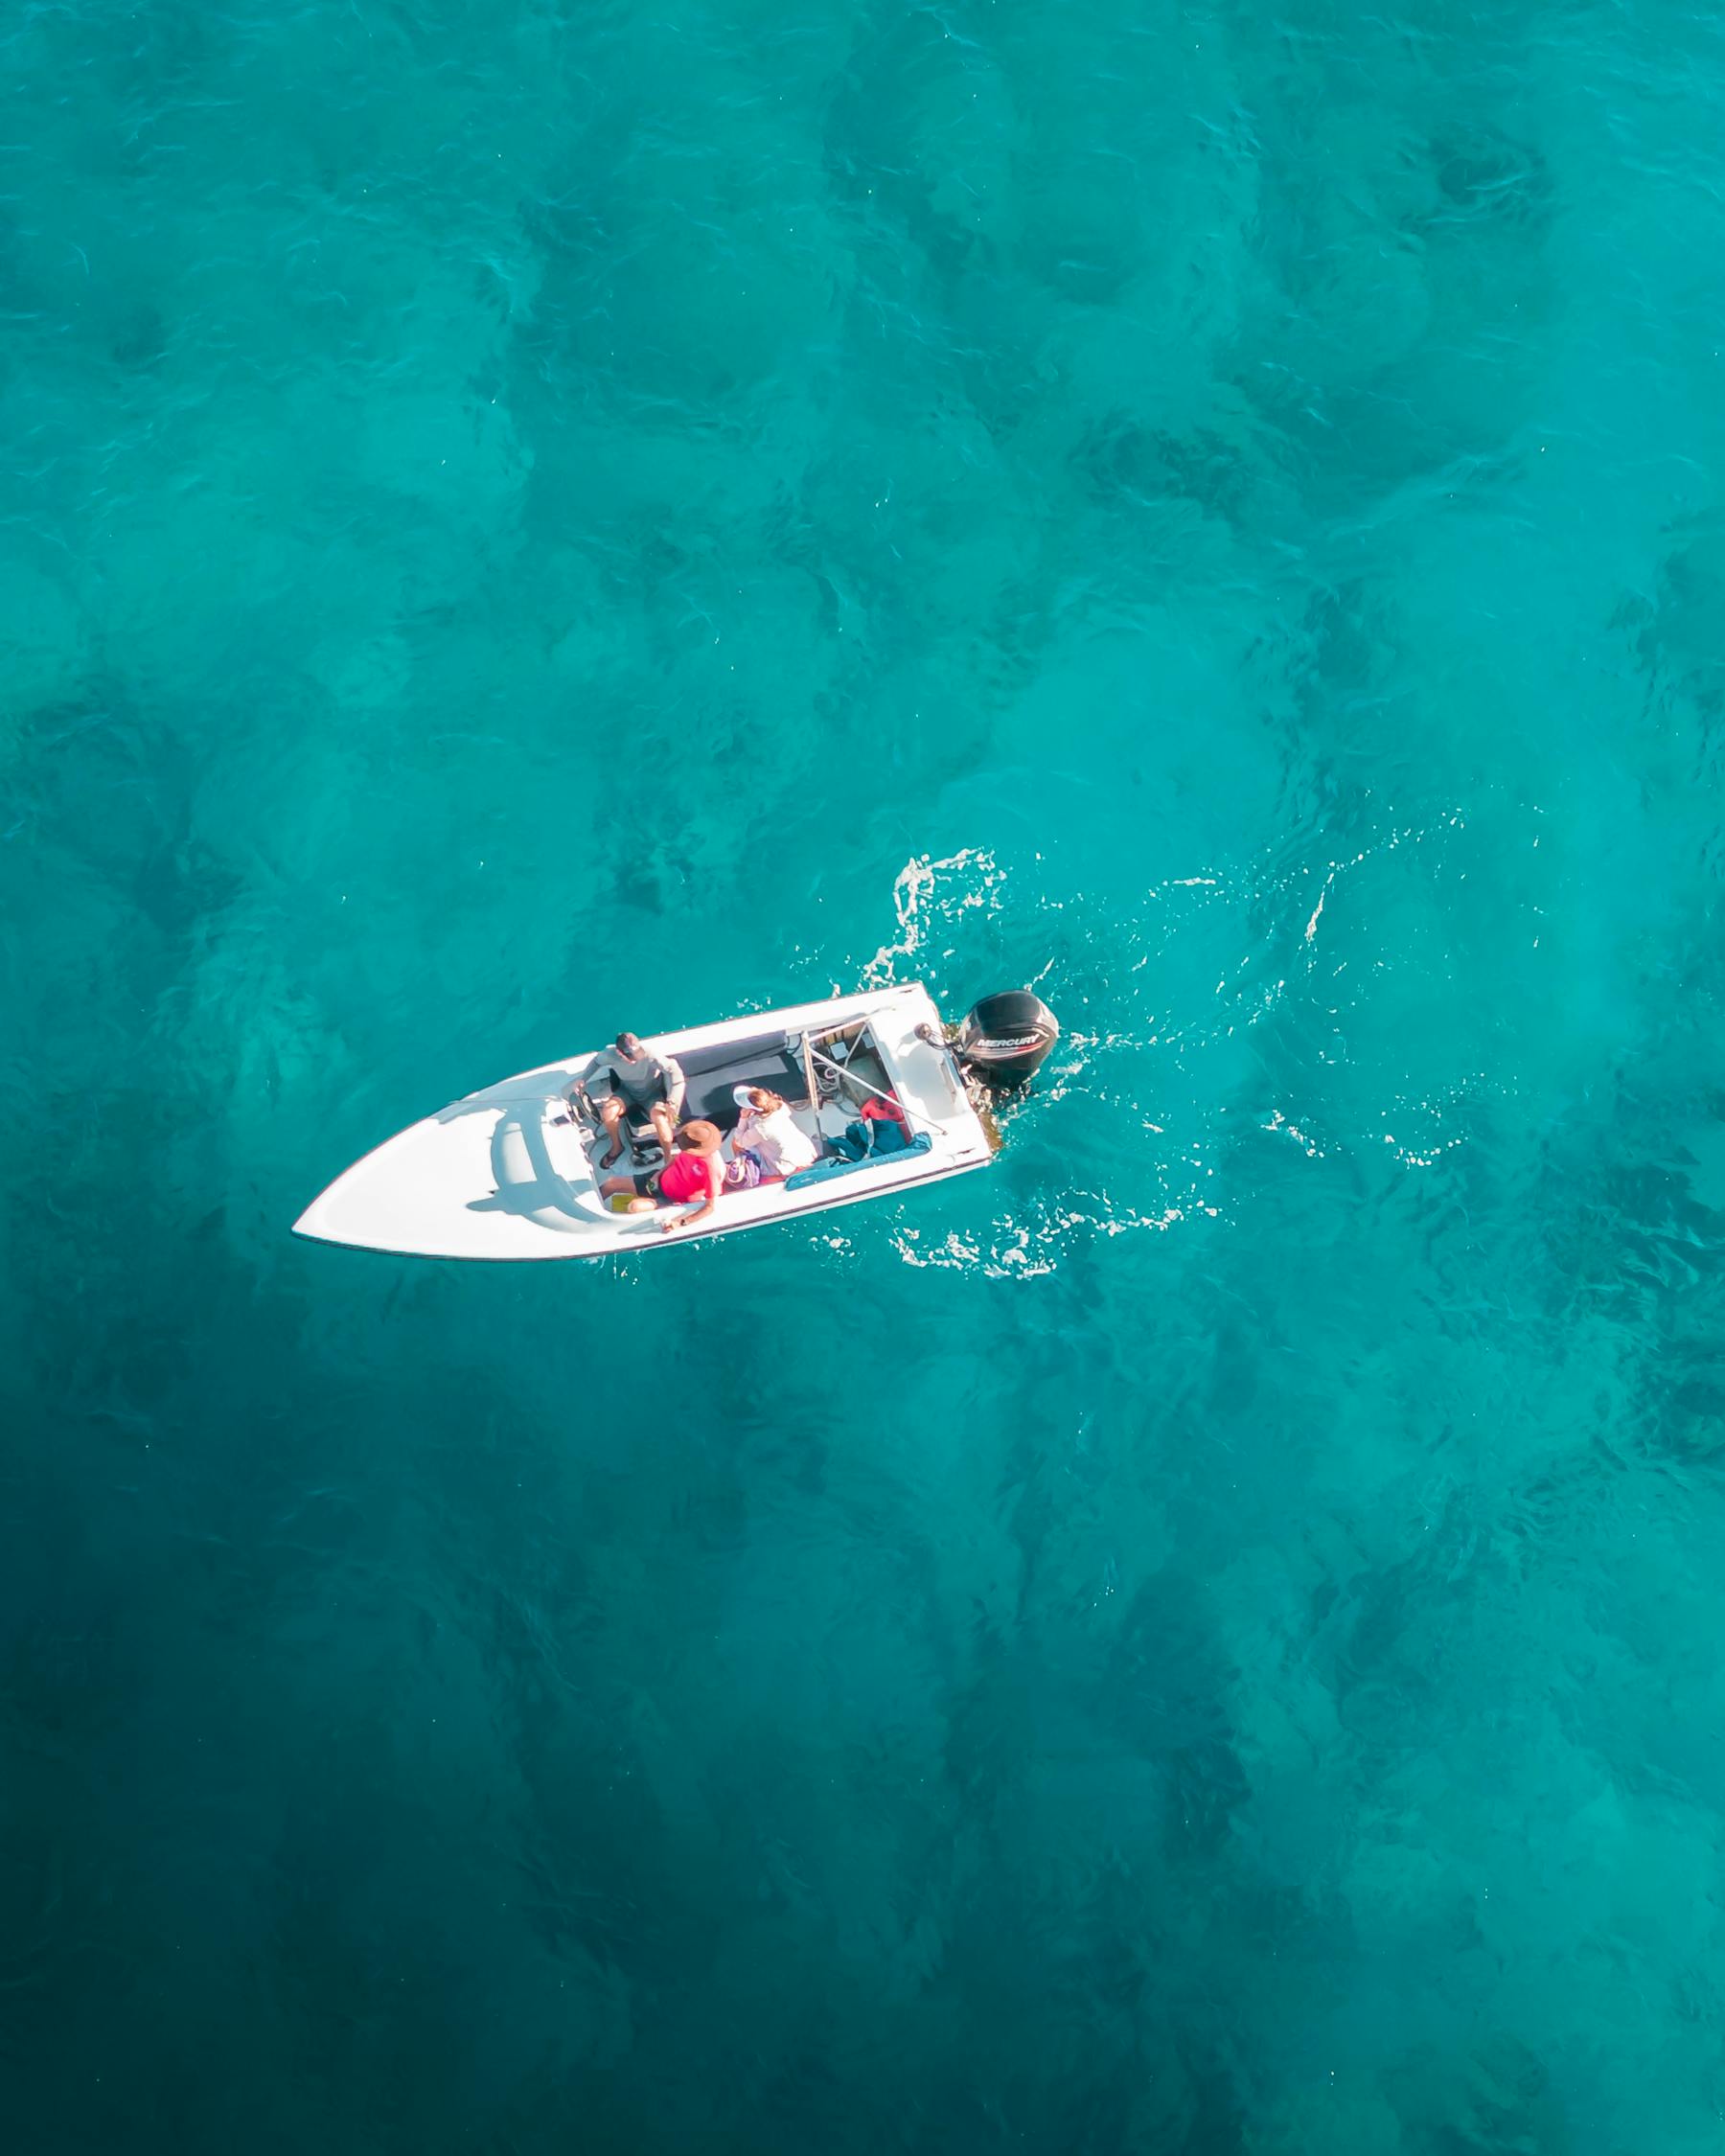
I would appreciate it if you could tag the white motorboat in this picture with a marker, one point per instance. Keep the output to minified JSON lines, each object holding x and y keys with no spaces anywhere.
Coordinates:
{"x":514,"y":1172}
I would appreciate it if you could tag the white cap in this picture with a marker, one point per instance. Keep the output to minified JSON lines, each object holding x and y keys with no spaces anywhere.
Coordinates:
{"x":742,"y":1096}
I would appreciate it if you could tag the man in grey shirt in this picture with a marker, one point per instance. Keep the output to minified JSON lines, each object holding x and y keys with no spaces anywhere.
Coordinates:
{"x":630,"y":1079}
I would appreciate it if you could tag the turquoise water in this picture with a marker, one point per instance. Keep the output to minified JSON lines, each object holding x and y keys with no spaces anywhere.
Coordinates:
{"x":521,"y":520}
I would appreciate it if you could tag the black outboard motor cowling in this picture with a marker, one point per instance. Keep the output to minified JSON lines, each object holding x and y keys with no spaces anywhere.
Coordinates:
{"x":1006,"y":1036}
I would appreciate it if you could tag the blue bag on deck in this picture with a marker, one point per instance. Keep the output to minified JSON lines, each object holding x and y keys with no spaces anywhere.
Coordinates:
{"x":869,"y":1137}
{"x":824,"y":1171}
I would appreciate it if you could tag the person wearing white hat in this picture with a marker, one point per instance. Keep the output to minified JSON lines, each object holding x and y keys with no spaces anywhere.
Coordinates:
{"x":768,"y":1129}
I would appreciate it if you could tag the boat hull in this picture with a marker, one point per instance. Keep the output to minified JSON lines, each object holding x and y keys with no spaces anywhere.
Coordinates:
{"x":504,"y":1175}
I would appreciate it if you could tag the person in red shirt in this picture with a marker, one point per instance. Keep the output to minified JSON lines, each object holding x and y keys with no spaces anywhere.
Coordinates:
{"x":694,"y":1174}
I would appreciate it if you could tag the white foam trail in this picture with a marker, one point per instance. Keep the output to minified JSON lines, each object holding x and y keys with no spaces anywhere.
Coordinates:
{"x":918,"y":907}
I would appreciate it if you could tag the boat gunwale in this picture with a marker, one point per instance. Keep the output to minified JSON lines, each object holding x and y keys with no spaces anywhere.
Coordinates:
{"x":642,"y":1240}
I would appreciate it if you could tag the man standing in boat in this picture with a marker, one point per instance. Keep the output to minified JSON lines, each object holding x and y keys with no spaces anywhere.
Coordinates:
{"x":633,"y":1082}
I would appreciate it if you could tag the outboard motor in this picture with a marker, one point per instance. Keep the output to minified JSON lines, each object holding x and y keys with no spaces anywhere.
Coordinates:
{"x":1006,"y":1038}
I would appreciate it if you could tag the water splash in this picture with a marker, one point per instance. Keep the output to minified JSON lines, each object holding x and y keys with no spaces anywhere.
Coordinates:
{"x":929,"y":893}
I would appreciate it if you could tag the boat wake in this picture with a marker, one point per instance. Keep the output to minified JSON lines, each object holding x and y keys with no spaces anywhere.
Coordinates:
{"x":929,"y":895}
{"x":1221,"y":1002}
